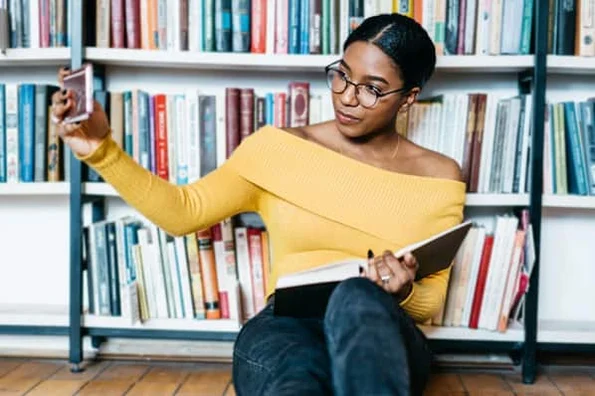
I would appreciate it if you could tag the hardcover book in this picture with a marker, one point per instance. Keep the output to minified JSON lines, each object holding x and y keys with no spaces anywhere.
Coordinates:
{"x":306,"y":293}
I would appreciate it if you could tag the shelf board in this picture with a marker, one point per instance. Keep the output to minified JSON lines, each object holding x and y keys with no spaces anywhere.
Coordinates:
{"x":35,"y":56}
{"x":220,"y":325}
{"x":514,"y":334}
{"x":569,"y":201}
{"x":230,"y":326}
{"x":280,"y":62}
{"x":105,"y":190}
{"x":557,"y":64}
{"x":45,"y":188}
{"x":566,"y":332}
{"x":101,"y":189}
{"x":497,"y":200}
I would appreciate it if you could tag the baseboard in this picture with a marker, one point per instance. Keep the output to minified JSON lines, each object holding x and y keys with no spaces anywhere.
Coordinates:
{"x":56,"y":347}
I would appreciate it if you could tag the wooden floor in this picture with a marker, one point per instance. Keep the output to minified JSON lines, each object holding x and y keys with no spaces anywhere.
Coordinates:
{"x":106,"y":378}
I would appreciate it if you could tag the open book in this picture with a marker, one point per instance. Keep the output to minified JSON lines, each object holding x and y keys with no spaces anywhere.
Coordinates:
{"x":306,"y":293}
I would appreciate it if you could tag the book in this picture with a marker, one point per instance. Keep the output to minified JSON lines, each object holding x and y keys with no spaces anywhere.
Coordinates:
{"x":306,"y":293}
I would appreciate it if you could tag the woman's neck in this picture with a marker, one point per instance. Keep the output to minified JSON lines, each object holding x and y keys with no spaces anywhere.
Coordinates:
{"x":378,"y":144}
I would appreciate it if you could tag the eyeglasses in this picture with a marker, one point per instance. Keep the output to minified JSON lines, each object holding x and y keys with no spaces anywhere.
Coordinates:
{"x":367,"y":95}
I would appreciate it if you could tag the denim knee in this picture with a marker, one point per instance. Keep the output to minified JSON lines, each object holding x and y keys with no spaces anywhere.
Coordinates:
{"x":355,"y":296}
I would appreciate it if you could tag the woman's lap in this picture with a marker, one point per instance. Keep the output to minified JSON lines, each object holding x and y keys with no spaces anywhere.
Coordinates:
{"x":281,"y":355}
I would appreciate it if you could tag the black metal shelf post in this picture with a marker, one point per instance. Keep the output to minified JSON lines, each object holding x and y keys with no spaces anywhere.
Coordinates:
{"x":536,"y":190}
{"x":76,"y":226}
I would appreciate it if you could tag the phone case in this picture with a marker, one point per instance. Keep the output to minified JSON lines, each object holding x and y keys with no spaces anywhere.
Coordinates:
{"x":81,"y":82}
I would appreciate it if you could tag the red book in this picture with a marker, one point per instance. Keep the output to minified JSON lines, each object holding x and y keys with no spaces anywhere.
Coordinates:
{"x":232,"y":119}
{"x":259,"y":31}
{"x":132,"y":12}
{"x":118,"y":24}
{"x":246,"y":112}
{"x":481,"y":281}
{"x":280,"y":109}
{"x":161,"y":152}
{"x":256,"y":267}
{"x":299,"y":104}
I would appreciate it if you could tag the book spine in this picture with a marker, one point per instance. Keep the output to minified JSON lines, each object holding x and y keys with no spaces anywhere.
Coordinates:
{"x":208,"y":141}
{"x":282,"y":26}
{"x":223,"y":25}
{"x":132,"y":21}
{"x":27,"y":132}
{"x":41,"y":117}
{"x":209,"y":272}
{"x":232,"y":119}
{"x":118,"y":24}
{"x":246,"y":112}
{"x":240,"y":11}
{"x":299,"y":107}
{"x":294,"y":26}
{"x":259,"y":32}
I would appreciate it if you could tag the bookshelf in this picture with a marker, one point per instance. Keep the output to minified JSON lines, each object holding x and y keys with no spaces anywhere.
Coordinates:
{"x":555,"y":326}
{"x":282,"y":62}
{"x":14,"y":57}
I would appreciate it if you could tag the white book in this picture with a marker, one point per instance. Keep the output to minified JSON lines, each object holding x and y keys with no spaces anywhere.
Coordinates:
{"x":12,"y":133}
{"x":303,"y":293}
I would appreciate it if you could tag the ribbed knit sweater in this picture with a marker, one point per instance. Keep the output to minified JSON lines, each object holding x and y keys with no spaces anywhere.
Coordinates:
{"x":319,"y":206}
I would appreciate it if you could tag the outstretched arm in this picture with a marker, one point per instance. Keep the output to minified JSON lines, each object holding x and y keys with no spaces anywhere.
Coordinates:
{"x":179,"y":210}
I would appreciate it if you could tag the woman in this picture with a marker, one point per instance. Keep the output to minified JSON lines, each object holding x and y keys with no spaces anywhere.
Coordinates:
{"x":326,"y":192}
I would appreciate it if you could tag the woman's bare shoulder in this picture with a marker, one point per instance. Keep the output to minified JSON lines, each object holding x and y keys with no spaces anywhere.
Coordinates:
{"x":313,"y":132}
{"x":434,"y":164}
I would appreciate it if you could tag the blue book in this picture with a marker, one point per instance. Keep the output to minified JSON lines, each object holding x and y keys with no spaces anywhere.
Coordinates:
{"x":577,"y":182}
{"x":294,"y":26}
{"x":269,"y":109}
{"x":305,"y":27}
{"x":27,"y":132}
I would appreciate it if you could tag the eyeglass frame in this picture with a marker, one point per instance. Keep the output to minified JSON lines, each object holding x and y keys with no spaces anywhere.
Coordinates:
{"x":348,"y":82}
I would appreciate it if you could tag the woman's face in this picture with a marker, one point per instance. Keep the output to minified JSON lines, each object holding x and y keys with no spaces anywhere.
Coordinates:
{"x":364,"y":63}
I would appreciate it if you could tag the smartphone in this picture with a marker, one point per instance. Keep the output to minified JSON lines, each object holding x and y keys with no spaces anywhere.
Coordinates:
{"x":80,"y":81}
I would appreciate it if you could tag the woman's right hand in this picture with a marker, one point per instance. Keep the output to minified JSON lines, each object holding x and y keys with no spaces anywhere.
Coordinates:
{"x":83,"y":137}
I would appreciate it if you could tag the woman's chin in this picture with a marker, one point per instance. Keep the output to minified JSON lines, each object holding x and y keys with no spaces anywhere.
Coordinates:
{"x":351,"y":131}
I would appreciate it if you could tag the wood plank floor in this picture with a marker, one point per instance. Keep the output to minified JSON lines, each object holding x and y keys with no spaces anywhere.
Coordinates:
{"x":106,"y":378}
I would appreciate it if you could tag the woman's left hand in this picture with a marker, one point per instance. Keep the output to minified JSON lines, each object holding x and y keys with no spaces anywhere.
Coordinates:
{"x":394,"y":275}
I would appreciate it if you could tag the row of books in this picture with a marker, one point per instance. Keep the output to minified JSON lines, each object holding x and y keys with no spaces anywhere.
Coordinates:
{"x":182,"y":137}
{"x":488,"y":136}
{"x":490,"y":275}
{"x":30,"y":149}
{"x":37,"y":23}
{"x":569,"y":148}
{"x":136,"y":271}
{"x":307,"y":26}
{"x":570,"y":28}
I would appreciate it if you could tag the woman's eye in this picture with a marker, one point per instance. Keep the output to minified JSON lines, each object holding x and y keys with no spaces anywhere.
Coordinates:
{"x":373,"y":89}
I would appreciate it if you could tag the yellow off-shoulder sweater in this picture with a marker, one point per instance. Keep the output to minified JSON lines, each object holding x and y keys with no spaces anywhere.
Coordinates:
{"x":318,"y":205}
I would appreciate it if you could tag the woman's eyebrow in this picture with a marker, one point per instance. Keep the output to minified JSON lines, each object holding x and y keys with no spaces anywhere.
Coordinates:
{"x":367,"y":76}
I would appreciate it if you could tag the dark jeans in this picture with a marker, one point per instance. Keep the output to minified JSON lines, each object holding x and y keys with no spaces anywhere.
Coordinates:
{"x":366,"y":345}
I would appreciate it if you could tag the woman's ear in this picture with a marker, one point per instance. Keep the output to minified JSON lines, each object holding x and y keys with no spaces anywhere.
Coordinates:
{"x":410,"y":99}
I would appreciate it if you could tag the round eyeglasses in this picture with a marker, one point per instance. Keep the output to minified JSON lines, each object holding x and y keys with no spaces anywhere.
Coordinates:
{"x":367,"y":94}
